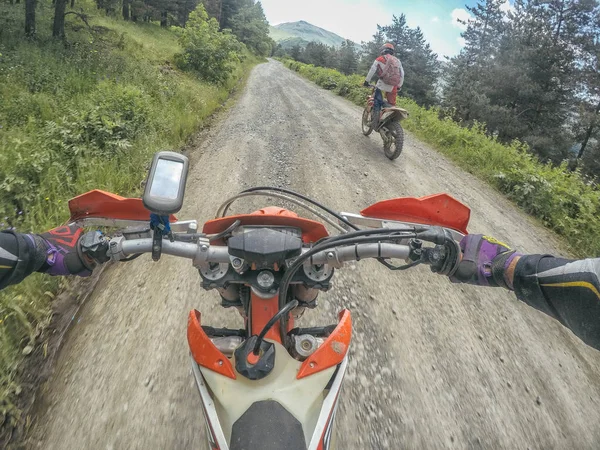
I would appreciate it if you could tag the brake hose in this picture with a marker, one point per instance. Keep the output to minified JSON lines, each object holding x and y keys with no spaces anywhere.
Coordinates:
{"x":281,"y":313}
{"x":285,"y":281}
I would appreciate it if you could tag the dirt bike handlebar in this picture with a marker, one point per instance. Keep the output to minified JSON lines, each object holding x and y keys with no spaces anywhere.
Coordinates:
{"x":202,"y":253}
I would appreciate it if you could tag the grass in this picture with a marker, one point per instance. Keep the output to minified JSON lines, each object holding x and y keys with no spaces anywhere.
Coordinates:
{"x":563,"y":200}
{"x":74,"y":117}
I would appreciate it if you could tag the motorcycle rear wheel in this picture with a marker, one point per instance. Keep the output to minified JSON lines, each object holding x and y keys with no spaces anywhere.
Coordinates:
{"x":367,"y":123}
{"x":393,"y":146}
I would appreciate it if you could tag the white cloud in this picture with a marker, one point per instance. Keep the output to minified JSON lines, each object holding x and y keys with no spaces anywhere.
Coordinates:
{"x":506,"y":6}
{"x":462,"y":15}
{"x":461,"y":41}
{"x":435,"y":19}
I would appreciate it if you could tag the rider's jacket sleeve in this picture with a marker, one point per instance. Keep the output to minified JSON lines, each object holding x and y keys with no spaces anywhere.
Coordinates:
{"x":566,"y":290}
{"x":18,"y":257}
{"x":373,"y":70}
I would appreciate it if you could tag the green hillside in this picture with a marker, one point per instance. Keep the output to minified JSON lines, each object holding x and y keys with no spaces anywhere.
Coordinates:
{"x":278,"y":35}
{"x":306,"y":32}
{"x":87,"y":111}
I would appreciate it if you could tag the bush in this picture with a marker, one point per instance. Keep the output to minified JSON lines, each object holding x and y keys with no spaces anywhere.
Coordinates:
{"x":207,"y":51}
{"x":561,"y":199}
{"x":116,"y":115}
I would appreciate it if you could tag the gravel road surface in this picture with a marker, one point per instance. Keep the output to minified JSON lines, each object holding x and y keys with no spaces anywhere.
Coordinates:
{"x":432,"y":364}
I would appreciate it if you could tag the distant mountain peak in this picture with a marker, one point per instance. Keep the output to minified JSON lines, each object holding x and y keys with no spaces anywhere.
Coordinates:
{"x":301,"y":33}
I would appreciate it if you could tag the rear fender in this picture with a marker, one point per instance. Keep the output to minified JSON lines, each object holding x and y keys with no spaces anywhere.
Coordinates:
{"x":394,"y":113}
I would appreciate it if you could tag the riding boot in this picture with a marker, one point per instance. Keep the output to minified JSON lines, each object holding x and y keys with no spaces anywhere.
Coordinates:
{"x":375,"y":113}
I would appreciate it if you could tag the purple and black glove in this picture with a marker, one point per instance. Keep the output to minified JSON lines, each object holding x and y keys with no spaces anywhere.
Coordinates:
{"x":62,"y":251}
{"x":484,"y":261}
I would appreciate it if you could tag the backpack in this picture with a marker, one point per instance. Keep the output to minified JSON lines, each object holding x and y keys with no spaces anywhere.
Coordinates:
{"x":391,"y":72}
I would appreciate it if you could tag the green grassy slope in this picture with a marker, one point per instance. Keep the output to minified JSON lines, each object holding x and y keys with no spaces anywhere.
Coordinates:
{"x":75,"y":116}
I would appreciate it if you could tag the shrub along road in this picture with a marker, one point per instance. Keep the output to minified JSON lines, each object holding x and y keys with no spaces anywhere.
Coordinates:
{"x":432,"y":364}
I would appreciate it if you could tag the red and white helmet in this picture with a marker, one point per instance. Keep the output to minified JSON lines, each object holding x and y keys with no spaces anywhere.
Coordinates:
{"x":387,"y":48}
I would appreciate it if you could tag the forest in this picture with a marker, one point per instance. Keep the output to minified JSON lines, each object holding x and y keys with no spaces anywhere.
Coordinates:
{"x":531,"y":74}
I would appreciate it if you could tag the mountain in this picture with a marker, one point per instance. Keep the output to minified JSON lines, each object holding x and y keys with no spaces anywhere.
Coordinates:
{"x":301,"y":33}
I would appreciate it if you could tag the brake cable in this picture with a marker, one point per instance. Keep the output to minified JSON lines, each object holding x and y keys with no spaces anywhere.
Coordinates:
{"x":225,"y":206}
{"x":307,"y":199}
{"x":289,"y":273}
{"x":282,"y":312}
{"x":225,"y":232}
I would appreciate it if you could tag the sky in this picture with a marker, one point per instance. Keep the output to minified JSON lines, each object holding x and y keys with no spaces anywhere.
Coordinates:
{"x":358,"y":19}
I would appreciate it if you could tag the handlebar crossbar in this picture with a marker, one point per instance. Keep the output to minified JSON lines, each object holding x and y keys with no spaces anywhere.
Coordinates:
{"x":206,"y":253}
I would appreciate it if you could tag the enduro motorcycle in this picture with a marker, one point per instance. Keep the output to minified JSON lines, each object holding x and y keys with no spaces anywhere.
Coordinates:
{"x":389,"y":125}
{"x":270,"y":385}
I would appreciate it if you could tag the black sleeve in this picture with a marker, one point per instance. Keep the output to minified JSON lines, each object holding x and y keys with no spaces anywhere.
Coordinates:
{"x":567,"y":290}
{"x":18,"y":257}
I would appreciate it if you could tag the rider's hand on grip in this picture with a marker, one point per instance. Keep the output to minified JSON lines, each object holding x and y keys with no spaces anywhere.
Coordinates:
{"x":484,"y":261}
{"x":366,"y":84}
{"x":63,"y":253}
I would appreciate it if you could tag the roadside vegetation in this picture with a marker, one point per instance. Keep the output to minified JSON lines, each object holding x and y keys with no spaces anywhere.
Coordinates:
{"x":529,"y":70}
{"x":85,"y":109}
{"x":561,"y":198}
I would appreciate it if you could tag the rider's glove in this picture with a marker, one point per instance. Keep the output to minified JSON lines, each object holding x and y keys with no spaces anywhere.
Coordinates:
{"x":61,"y":251}
{"x":484,"y":261}
{"x":366,"y":83}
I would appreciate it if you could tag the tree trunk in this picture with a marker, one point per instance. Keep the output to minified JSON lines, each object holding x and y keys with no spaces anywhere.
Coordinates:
{"x":560,"y":22}
{"x":72,"y":4}
{"x":30,"y":17}
{"x":58,"y":29}
{"x":163,"y":19}
{"x":126,"y":9}
{"x":588,"y":133}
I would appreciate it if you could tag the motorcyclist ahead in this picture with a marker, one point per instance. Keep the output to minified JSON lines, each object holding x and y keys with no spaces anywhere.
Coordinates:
{"x":567,"y":290}
{"x":390,"y":72}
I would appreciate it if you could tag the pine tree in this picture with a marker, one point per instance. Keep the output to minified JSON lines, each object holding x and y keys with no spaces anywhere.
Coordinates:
{"x":421,"y":69}
{"x":420,"y":63}
{"x":296,"y":53}
{"x":371,"y":50}
{"x":30,"y":17}
{"x":469,"y":77}
{"x":251,"y":27}
{"x":348,"y":58}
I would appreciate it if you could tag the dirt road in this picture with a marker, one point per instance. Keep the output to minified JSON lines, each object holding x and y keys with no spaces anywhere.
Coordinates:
{"x":433,"y":365}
